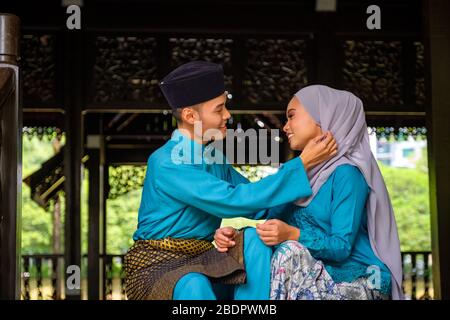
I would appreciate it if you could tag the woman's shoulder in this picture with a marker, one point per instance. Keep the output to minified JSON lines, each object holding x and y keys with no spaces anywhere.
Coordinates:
{"x":348,"y":173}
{"x":347,"y":169}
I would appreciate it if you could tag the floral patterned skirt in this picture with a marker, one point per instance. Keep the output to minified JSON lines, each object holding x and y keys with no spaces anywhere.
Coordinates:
{"x":296,"y":275}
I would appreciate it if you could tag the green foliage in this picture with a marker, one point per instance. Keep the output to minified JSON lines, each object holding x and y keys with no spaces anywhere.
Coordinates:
{"x":408,"y":190}
{"x":36,"y":226}
{"x":34,"y":153}
{"x":123,"y":179}
{"x":122,"y":221}
{"x":36,"y":222}
{"x":252,"y":173}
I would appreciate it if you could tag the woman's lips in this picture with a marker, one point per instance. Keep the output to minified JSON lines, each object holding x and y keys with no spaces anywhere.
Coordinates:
{"x":290,"y":135}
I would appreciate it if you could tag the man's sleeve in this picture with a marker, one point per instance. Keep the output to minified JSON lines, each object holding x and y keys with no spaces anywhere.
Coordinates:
{"x":200,"y":189}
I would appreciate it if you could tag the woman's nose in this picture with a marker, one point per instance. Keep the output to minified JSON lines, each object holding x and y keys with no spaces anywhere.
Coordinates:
{"x":286,"y":128}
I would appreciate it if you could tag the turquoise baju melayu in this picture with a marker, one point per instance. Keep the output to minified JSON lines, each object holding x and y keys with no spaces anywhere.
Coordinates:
{"x":333,"y":227}
{"x":188,"y":200}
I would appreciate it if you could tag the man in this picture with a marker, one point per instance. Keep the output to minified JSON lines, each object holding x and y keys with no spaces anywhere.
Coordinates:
{"x":186,"y":195}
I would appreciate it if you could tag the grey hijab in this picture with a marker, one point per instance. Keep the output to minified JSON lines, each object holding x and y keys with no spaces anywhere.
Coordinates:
{"x":341,"y":112}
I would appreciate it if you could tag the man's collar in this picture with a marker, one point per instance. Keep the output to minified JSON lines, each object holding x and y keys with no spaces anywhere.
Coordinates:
{"x":189,"y":145}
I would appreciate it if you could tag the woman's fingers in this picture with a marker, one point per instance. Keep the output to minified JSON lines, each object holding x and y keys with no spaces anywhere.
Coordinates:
{"x":266,"y":233}
{"x":265,"y":227}
{"x":222,"y":249}
{"x":270,"y":241}
{"x":271,"y":222}
{"x":269,"y":238}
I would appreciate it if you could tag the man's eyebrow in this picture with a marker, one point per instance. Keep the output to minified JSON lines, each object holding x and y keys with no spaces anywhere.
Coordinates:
{"x":219,"y":105}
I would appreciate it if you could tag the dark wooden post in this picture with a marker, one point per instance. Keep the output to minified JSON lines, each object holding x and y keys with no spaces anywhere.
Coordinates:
{"x":325,"y":49}
{"x":105,"y":193}
{"x":73,"y":101}
{"x":10,"y":158}
{"x":96,"y":252}
{"x":438,"y":119}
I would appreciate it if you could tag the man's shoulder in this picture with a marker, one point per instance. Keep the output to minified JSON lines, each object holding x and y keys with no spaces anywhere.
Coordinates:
{"x":162,"y":155}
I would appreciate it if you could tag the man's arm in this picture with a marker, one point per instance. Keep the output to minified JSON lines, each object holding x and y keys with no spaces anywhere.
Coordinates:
{"x":200,"y":189}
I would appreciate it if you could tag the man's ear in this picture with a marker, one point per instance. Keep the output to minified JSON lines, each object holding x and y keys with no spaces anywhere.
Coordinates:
{"x":189,"y":115}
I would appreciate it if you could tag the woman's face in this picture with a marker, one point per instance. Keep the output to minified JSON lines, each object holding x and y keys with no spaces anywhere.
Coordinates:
{"x":300,"y":126}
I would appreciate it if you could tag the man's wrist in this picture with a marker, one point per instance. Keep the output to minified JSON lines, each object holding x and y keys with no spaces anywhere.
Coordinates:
{"x":305,"y":162}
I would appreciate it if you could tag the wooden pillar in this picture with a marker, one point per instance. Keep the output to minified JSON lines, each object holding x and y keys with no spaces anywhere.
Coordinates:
{"x":325,"y":49}
{"x":104,"y":214}
{"x":438,"y":119}
{"x":73,"y":101}
{"x":10,"y":158}
{"x":96,"y":246}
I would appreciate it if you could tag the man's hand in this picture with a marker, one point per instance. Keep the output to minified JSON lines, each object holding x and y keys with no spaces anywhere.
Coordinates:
{"x":274,"y":231}
{"x":319,"y":149}
{"x":224,"y":238}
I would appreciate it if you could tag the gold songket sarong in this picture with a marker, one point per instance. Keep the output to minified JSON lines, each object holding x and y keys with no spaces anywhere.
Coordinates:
{"x":153,"y":267}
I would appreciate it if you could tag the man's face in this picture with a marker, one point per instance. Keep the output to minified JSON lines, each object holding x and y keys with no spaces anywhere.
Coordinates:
{"x":214,"y":116}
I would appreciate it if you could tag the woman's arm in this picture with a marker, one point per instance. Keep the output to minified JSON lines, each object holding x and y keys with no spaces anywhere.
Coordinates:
{"x":350,"y":192}
{"x":275,"y":231}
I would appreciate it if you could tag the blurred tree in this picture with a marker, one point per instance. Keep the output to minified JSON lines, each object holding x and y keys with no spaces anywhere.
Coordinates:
{"x":408,"y":190}
{"x":36,"y":222}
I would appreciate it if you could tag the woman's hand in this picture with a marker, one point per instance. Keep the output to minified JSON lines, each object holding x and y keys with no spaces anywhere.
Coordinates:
{"x":318,"y":150}
{"x":224,"y":238}
{"x":274,"y":231}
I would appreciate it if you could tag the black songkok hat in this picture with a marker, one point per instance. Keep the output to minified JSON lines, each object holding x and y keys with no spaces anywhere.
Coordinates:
{"x":193,"y":83}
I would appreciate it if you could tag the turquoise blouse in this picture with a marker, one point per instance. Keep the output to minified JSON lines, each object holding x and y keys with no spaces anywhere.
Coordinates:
{"x":334,"y":228}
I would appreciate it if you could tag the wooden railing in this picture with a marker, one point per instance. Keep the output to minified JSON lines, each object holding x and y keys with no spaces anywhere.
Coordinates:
{"x":115,"y":277}
{"x":417,"y":275}
{"x":42,"y":276}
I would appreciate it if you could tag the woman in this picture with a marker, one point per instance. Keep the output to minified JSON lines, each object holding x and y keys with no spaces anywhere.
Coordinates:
{"x":342,"y":241}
